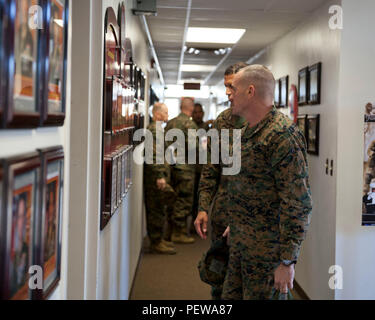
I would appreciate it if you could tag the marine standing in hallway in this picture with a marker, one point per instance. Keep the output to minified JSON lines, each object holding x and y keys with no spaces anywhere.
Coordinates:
{"x":270,"y":198}
{"x":157,"y":191}
{"x":213,"y":185}
{"x":182,"y":177}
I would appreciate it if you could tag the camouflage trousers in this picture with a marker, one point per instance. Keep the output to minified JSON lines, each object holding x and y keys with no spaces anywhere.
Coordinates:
{"x":219,"y":221}
{"x":182,"y":181}
{"x":247,"y":279}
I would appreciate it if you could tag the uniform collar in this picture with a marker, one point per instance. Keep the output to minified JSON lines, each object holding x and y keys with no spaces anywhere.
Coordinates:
{"x":249,"y":132}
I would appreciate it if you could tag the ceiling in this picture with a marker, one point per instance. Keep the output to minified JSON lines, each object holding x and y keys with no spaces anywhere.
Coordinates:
{"x":264,"y":20}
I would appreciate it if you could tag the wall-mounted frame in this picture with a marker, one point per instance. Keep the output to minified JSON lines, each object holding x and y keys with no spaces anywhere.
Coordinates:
{"x":23,"y":51}
{"x":284,"y":91}
{"x":128,"y":61}
{"x":302,"y":124}
{"x":313,"y":134}
{"x":303,"y":86}
{"x":54,"y":96}
{"x":50,"y":218}
{"x":277,"y":93}
{"x":2,"y":65}
{"x":18,"y":223}
{"x":122,"y":24}
{"x":315,"y":72}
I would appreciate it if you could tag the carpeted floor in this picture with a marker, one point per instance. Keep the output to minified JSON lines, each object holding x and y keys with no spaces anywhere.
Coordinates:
{"x":171,"y":277}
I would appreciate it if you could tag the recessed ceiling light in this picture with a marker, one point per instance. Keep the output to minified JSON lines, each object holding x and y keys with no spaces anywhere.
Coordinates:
{"x":197,"y":68}
{"x":214,"y":35}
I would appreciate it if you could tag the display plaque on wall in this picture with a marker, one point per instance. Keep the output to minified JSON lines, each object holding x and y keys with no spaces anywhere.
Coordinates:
{"x":313,"y":134}
{"x":18,"y":222}
{"x":118,"y":118}
{"x":55,"y":80}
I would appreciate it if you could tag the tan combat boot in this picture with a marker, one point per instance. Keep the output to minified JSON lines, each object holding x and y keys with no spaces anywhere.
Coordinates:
{"x":179,"y":237}
{"x":162,"y":248}
{"x":167,"y":243}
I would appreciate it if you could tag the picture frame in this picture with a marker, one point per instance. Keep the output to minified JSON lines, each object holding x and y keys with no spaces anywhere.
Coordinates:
{"x":19,"y":246}
{"x":284,"y":91}
{"x":112,"y":45}
{"x":23,"y":51}
{"x":277,"y":94}
{"x":122,"y":23}
{"x":55,"y":71}
{"x":50,"y":218}
{"x":312,"y":134}
{"x":315,"y":72}
{"x":303,"y":86}
{"x":128,"y":63}
{"x":302,"y":124}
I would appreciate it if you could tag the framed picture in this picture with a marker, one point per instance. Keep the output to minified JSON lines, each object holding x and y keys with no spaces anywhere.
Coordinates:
{"x":112,"y":44}
{"x":2,"y":64}
{"x":50,"y":219}
{"x":303,"y":86}
{"x":312,"y":134}
{"x":128,"y":61}
{"x":18,"y":236}
{"x":301,"y":123}
{"x":277,"y":94}
{"x":284,"y":85}
{"x":315,"y":72}
{"x":22,"y":53}
{"x":54,"y":97}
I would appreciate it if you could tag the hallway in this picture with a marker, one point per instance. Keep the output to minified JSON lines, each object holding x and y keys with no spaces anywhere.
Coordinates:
{"x":171,"y":277}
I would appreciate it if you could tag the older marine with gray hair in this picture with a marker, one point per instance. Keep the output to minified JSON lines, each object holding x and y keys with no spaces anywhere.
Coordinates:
{"x":270,"y":198}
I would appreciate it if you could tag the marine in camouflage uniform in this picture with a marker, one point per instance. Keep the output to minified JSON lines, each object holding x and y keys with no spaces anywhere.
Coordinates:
{"x":213,"y":185}
{"x":157,"y":199}
{"x":270,"y":198}
{"x":182,"y":179}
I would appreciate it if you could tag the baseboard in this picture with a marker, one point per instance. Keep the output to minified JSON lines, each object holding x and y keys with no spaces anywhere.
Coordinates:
{"x":300,"y":291}
{"x":136,"y":269}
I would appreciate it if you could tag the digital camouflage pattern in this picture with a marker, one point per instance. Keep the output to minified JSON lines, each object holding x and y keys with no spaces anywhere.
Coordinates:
{"x":182,"y":177}
{"x":213,"y":186}
{"x":270,"y":206}
{"x":156,"y":199}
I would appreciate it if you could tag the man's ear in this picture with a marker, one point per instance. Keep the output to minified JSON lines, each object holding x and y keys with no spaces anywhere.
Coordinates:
{"x":251,"y":90}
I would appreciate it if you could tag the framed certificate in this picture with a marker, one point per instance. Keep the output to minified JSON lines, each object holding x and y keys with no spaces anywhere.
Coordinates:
{"x":22,"y":54}
{"x":49,"y":222}
{"x":315,"y":72}
{"x":284,"y":92}
{"x":303,"y":86}
{"x":55,"y":70}
{"x":17,"y":237}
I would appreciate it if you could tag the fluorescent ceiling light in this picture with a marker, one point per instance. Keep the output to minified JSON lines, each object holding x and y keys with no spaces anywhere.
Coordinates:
{"x":214,"y":35}
{"x":196,"y":68}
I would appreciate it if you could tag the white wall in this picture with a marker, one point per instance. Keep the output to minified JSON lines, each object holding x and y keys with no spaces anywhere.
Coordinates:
{"x":355,"y":244}
{"x":308,"y":44}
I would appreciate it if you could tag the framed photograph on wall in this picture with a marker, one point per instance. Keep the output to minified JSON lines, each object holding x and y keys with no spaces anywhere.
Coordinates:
{"x":22,"y":55}
{"x":303,"y":86}
{"x":284,"y":91}
{"x":277,"y":94}
{"x":313,"y":134}
{"x":315,"y":72}
{"x":50,"y":219}
{"x":54,"y":98}
{"x":18,"y":238}
{"x":301,"y":123}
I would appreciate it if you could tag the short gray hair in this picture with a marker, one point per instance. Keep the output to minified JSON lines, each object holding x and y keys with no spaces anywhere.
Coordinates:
{"x":262,"y":79}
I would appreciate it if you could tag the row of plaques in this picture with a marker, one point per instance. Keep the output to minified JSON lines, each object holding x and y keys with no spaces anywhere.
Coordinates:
{"x":33,"y":52}
{"x":117,"y":172}
{"x":31,"y":193}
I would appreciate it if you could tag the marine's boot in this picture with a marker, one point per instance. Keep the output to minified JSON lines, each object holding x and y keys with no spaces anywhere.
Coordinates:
{"x":162,"y":248}
{"x":180,"y":237}
{"x":167,"y":243}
